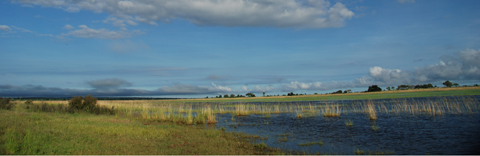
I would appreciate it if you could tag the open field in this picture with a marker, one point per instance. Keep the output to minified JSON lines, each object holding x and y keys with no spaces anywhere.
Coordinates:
{"x":456,"y":91}
{"x":24,"y":131}
{"x":411,"y":93}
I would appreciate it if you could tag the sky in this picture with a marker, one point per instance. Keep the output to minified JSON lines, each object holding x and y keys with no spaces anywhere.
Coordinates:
{"x":193,"y":49}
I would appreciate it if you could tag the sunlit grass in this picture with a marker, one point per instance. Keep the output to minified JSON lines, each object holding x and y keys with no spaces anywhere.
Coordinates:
{"x":24,"y":132}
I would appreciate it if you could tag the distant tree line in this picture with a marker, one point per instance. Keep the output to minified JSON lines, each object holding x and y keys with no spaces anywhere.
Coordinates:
{"x":372,"y":88}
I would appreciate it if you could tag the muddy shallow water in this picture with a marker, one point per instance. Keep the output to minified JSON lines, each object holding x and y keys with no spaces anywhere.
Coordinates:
{"x":401,"y":133}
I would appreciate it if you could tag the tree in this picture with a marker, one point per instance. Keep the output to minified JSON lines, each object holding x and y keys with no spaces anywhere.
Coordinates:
{"x":455,"y":84}
{"x":225,"y":96}
{"x":374,"y":88}
{"x":388,"y":88}
{"x":263,"y":94}
{"x":393,"y":88}
{"x":402,"y":87}
{"x":475,"y":85}
{"x":232,"y":95}
{"x":447,"y":84}
{"x":250,"y":95}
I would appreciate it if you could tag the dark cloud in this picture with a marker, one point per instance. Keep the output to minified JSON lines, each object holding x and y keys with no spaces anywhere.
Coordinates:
{"x":109,"y":83}
{"x":464,"y":65}
{"x":109,"y":89}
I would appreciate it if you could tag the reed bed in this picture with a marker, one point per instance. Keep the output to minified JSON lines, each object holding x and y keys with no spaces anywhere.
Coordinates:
{"x":331,"y":110}
{"x":205,"y":113}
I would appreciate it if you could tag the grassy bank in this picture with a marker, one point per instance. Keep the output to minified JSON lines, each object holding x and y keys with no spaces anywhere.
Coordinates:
{"x":456,"y":91}
{"x":26,"y":132}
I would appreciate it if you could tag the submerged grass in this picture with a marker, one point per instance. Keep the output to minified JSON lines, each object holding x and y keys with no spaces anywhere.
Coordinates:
{"x":311,"y":143}
{"x":348,"y":123}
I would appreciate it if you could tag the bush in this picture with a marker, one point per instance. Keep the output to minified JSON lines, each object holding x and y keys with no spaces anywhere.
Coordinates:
{"x":76,"y":103}
{"x":89,"y":102}
{"x":5,"y":104}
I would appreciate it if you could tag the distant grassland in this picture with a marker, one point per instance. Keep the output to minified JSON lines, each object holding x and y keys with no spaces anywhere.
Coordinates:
{"x":456,"y":91}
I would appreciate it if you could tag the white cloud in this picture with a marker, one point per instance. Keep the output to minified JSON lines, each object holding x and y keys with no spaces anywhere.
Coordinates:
{"x":22,"y":30}
{"x":389,"y":75}
{"x":244,"y":88}
{"x":258,"y":89}
{"x":295,"y":85}
{"x":119,"y":22}
{"x":68,"y":27}
{"x":86,"y":32}
{"x":251,"y":13}
{"x":221,"y":88}
{"x":10,"y":30}
{"x":5,"y":28}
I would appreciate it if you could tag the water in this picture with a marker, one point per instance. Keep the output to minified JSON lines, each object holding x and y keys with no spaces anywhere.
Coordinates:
{"x":391,"y":133}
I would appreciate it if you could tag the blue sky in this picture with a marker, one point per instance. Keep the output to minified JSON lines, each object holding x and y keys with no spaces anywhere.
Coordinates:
{"x":187,"y":48}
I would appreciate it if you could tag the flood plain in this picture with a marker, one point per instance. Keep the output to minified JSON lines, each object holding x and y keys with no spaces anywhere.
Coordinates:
{"x":433,"y":125}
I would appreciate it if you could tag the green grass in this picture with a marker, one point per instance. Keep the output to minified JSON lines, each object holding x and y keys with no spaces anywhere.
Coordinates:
{"x":311,"y":143}
{"x":24,"y":132}
{"x":456,"y":91}
{"x":348,"y":123}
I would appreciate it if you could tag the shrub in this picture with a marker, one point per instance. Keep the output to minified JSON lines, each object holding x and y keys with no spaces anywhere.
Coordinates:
{"x":89,"y":102}
{"x":29,"y":102}
{"x":5,"y":104}
{"x":76,"y":103}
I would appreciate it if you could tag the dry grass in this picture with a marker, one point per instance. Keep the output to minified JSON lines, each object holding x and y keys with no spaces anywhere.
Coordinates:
{"x":331,"y":110}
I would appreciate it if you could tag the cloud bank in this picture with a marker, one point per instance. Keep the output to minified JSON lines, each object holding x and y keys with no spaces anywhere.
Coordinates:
{"x":230,"y":13}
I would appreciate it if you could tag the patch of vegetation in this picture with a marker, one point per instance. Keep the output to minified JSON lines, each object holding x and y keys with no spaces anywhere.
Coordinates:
{"x":311,"y":143}
{"x":261,"y":146}
{"x":26,"y":132}
{"x":6,"y":104}
{"x":359,"y":152}
{"x":348,"y":123}
{"x":374,"y":127}
{"x":284,"y":139}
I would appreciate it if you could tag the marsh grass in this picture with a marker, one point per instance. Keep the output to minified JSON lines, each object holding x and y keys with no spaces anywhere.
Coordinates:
{"x":331,"y":110}
{"x":284,"y":139}
{"x":311,"y":143}
{"x":374,"y":127}
{"x":348,"y":123}
{"x":370,"y":109}
{"x":242,"y":110}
